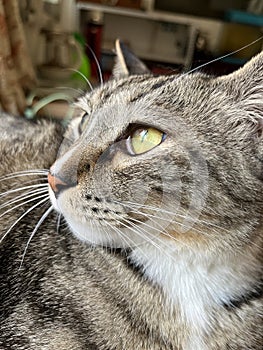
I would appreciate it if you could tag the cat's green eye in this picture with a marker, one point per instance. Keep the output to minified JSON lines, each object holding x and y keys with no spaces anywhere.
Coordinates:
{"x":144,"y":139}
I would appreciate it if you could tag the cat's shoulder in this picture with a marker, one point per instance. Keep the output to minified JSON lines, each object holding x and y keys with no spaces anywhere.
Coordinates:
{"x":17,"y":128}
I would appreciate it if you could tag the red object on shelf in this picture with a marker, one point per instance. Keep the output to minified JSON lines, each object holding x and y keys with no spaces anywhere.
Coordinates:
{"x":94,"y":31}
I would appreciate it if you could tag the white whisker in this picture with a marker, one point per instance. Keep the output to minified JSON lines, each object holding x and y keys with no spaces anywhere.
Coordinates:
{"x":36,"y":180}
{"x":25,"y":173}
{"x":164,"y":211}
{"x":126,"y":239}
{"x":224,"y":56}
{"x":98,"y":65}
{"x":23,"y":215}
{"x":158,"y":218}
{"x":83,"y":76}
{"x":58,"y":222}
{"x":160,"y":230}
{"x":43,"y":217}
{"x":23,"y":188}
{"x":78,"y":91}
{"x":23,"y":196}
{"x":144,"y":234}
{"x":20,"y":205}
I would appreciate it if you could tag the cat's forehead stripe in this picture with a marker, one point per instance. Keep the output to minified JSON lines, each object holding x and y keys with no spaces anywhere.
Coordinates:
{"x":136,"y":87}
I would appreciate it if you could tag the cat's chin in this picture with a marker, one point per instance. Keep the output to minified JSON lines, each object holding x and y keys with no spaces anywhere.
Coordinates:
{"x":88,"y":231}
{"x":92,"y":234}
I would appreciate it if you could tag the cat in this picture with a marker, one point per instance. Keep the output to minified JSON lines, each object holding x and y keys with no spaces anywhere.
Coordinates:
{"x":140,"y":225}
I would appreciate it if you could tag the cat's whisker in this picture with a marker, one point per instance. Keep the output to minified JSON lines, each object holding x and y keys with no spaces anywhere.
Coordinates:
{"x":193,"y":229}
{"x":161,"y":210}
{"x":63,"y":223}
{"x":222,"y":57}
{"x":144,"y":234}
{"x":141,"y":232}
{"x":135,"y":206}
{"x":78,"y":91}
{"x":126,"y":239}
{"x":46,"y":198}
{"x":108,"y":235}
{"x":160,"y":231}
{"x":58,"y":222}
{"x":23,"y":197}
{"x":22,"y":204}
{"x":32,"y":111}
{"x":41,"y":180}
{"x":26,"y":173}
{"x":4,"y":178}
{"x":97,"y":64}
{"x":41,"y":220}
{"x":83,"y":76}
{"x":19,"y":189}
{"x":151,"y":216}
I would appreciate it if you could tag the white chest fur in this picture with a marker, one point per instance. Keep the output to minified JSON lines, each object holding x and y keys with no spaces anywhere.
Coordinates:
{"x":196,"y":283}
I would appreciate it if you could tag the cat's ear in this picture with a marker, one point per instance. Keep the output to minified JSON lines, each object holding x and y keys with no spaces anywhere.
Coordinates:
{"x":246,"y":85}
{"x":248,"y":77}
{"x":127,"y":63}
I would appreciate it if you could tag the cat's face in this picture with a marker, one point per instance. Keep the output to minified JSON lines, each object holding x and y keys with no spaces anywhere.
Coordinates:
{"x":163,"y":158}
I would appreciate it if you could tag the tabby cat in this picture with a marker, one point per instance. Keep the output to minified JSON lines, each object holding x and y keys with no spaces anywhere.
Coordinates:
{"x":148,"y":234}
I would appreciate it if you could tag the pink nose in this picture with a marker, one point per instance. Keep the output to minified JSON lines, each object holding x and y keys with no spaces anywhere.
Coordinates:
{"x":56,"y":184}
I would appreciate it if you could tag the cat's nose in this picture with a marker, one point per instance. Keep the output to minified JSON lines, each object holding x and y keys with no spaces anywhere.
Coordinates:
{"x":57,"y":184}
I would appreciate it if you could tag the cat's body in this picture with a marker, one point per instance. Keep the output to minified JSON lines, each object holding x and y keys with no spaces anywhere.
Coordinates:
{"x":190,"y":276}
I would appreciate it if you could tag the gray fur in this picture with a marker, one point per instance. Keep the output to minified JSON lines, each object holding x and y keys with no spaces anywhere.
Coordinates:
{"x":74,"y":295}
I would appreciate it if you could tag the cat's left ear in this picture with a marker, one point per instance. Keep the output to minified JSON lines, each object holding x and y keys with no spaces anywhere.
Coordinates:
{"x":127,"y":63}
{"x":246,"y":85}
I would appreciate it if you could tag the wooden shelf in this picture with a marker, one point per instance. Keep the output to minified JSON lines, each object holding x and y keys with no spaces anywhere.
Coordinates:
{"x":151,"y":15}
{"x":124,"y":21}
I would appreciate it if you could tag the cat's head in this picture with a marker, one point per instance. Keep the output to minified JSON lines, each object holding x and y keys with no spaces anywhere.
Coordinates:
{"x":175,"y":159}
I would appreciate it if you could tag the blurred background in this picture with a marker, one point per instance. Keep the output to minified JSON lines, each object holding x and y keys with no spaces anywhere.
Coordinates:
{"x":71,"y":43}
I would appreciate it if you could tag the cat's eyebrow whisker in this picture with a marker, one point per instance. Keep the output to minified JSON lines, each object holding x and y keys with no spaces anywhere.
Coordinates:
{"x":222,"y":57}
{"x":23,"y":197}
{"x":46,"y":198}
{"x":83,"y":76}
{"x":41,"y":220}
{"x":97,"y":64}
{"x":19,"y":189}
{"x":78,"y":91}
